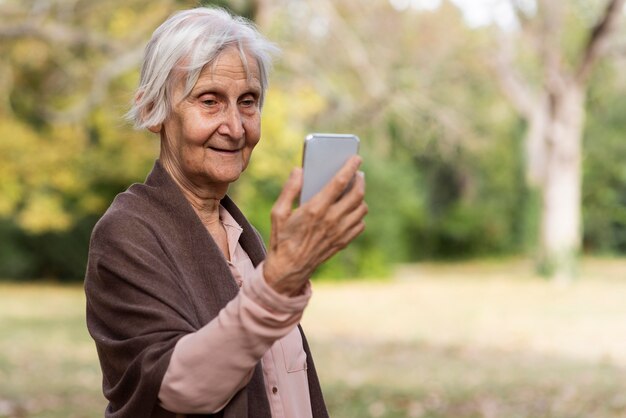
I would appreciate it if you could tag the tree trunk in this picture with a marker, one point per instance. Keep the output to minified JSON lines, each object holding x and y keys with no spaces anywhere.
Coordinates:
{"x":556,"y":115}
{"x":561,"y":188}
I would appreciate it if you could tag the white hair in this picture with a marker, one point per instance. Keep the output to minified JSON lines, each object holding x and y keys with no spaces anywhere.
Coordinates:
{"x":184,"y":44}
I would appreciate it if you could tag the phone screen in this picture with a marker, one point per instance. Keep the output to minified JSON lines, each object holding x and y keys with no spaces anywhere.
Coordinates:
{"x":323,"y":156}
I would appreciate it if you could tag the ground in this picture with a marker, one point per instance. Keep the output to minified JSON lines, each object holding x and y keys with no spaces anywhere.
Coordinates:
{"x":480,"y":339}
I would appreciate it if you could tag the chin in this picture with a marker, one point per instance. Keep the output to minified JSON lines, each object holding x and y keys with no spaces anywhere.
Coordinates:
{"x":227,"y":177}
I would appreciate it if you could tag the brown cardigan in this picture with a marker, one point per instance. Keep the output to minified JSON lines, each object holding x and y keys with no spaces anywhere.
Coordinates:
{"x":154,"y":275}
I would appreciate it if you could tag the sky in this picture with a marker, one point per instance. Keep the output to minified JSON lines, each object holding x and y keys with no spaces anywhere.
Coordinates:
{"x":476,"y":12}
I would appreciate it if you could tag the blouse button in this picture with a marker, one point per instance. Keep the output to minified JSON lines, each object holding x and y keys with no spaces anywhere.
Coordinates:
{"x":274,"y":390}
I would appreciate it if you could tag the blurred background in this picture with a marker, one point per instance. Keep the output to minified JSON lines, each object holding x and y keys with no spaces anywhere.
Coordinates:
{"x":491,"y":277}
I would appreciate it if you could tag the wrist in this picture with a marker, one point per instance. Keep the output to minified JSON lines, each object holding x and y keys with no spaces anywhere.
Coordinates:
{"x":271,"y":273}
{"x":274,"y":274}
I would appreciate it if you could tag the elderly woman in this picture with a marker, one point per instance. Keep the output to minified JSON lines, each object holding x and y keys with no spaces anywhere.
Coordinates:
{"x":189,"y":313}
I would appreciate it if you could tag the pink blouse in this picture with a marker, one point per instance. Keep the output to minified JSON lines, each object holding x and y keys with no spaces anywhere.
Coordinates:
{"x":210,"y":365}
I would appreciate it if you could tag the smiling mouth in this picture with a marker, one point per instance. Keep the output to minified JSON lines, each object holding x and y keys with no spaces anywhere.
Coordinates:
{"x":227,"y":151}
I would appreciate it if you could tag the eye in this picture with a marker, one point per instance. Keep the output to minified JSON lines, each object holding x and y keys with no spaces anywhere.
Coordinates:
{"x":208,"y":99}
{"x":247,"y":101}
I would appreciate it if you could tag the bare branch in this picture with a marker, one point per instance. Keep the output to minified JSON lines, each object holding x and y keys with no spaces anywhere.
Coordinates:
{"x":118,"y":55}
{"x":356,"y":51}
{"x":521,"y":15}
{"x":520,"y":93}
{"x":596,"y":44}
{"x":618,"y":51}
{"x":114,"y":68}
{"x":263,"y":11}
{"x":551,"y":13}
{"x":530,"y":25}
{"x":54,"y":33}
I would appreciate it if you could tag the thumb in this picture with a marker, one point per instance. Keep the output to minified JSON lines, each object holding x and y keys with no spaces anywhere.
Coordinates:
{"x":283,"y":205}
{"x":291,"y":191}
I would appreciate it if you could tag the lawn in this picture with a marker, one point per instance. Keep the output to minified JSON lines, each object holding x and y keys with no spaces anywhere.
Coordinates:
{"x":481,"y":339}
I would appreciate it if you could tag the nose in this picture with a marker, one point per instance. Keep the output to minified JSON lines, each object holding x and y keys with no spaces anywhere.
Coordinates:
{"x":232,"y":123}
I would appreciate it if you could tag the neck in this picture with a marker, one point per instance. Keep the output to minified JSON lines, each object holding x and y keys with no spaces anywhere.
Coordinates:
{"x":205,"y":200}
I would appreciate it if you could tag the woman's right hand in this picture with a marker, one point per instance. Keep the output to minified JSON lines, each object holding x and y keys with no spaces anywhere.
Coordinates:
{"x":303,"y":238}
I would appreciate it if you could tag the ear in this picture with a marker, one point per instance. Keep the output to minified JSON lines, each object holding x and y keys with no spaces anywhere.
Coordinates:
{"x":156,"y":128}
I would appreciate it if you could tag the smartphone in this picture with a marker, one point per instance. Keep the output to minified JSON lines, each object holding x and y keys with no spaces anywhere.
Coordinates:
{"x":322,"y":157}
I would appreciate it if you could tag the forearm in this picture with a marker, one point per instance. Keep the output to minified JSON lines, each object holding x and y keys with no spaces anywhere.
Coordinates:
{"x":209,"y":366}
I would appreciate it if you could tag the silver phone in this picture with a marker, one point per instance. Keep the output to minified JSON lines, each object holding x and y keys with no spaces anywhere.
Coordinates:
{"x":322,"y":157}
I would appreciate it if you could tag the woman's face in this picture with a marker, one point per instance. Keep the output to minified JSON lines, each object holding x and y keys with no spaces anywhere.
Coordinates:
{"x":211,"y":133}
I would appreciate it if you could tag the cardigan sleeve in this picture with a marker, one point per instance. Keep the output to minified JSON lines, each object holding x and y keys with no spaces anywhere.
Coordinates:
{"x":210,"y":365}
{"x":136,"y":312}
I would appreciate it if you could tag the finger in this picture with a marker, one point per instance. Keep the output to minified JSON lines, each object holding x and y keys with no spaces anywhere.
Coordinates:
{"x":346,"y":239}
{"x":333,"y":190}
{"x":288,"y":194}
{"x":351,"y":200}
{"x":349,"y":220}
{"x":352,"y":233}
{"x":283,"y":205}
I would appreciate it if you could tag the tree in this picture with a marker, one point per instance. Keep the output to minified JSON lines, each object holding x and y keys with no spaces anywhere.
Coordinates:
{"x":554,"y":110}
{"x":413,"y":86}
{"x":68,"y":72}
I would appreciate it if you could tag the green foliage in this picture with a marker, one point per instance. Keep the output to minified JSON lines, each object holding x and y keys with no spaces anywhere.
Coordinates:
{"x":604,"y":177}
{"x":476,"y":203}
{"x":442,"y":149}
{"x":59,"y":172}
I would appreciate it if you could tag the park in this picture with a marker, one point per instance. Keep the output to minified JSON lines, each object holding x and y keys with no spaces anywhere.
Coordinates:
{"x":490,"y":278}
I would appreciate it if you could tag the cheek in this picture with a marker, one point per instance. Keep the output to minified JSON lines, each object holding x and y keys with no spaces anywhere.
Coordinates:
{"x":197,"y":130}
{"x":248,"y":151}
{"x":194,"y":136}
{"x":252,"y":139}
{"x":250,"y":144}
{"x":253,"y":131}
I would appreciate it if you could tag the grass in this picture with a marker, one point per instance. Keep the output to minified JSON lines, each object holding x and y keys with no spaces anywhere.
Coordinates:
{"x":48,"y":364}
{"x":484,"y":339}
